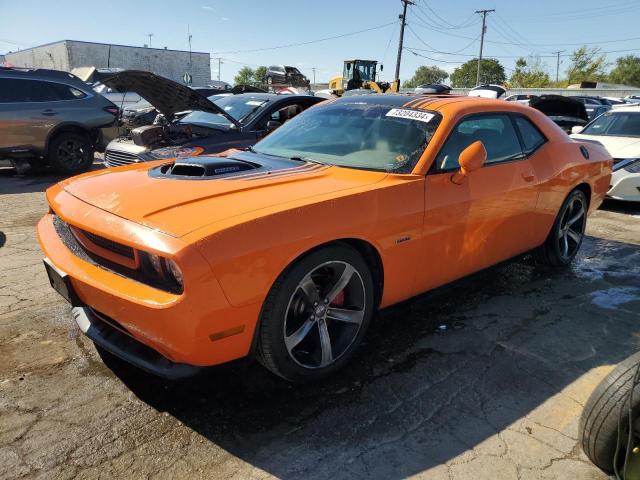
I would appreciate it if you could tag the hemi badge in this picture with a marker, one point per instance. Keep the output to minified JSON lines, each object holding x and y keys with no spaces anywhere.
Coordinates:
{"x":226,"y":333}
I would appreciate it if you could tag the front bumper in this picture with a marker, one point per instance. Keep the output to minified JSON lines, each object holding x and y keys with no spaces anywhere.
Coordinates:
{"x":127,"y":348}
{"x":625,"y":186}
{"x":198,"y":327}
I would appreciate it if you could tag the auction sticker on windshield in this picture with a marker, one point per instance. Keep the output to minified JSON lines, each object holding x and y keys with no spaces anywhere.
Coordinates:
{"x":410,"y":114}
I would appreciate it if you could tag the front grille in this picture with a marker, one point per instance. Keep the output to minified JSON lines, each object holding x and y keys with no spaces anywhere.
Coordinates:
{"x":114,"y":158}
{"x":138,"y":274}
{"x":117,"y":248}
{"x":633,"y":167}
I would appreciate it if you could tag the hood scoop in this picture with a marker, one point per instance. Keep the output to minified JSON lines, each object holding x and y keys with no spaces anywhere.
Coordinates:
{"x":203,"y":167}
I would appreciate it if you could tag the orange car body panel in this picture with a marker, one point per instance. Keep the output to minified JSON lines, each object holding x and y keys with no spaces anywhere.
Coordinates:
{"x":232,"y":238}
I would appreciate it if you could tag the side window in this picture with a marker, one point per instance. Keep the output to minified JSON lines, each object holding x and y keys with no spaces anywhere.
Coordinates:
{"x":65,"y":92}
{"x":531,"y":136}
{"x":19,"y":90}
{"x":496,"y":133}
{"x":283,"y":114}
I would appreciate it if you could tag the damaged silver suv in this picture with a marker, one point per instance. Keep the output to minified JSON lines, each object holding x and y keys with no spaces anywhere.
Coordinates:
{"x":51,"y":117}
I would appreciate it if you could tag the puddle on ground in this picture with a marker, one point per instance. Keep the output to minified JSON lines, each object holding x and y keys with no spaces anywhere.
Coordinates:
{"x":611,"y":298}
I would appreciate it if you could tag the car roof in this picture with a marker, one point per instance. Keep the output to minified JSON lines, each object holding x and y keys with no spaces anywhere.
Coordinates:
{"x":627,"y":108}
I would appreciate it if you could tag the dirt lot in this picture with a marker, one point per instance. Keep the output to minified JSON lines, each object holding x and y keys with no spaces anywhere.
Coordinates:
{"x":482,"y":379}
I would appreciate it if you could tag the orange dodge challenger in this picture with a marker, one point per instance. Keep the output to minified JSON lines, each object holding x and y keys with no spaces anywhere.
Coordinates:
{"x":284,"y":251}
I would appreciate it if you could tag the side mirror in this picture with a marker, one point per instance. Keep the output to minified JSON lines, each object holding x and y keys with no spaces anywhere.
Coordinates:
{"x":576,"y":129}
{"x":471,"y":159}
{"x":272,"y":125}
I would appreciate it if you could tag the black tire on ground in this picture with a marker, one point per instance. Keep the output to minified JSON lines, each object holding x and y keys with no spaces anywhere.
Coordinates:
{"x":551,"y":252}
{"x":599,"y":421}
{"x":272,"y":350}
{"x":71,"y":153}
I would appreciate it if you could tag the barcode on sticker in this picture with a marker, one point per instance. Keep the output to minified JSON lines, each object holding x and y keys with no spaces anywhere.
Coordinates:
{"x":410,"y":114}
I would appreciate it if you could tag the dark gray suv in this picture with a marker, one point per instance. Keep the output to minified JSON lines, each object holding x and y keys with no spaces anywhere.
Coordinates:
{"x":51,"y":117}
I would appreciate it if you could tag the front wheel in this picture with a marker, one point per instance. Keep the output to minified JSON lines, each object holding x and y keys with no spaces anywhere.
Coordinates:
{"x":316,"y":315}
{"x":567,"y":233}
{"x":71,"y":153}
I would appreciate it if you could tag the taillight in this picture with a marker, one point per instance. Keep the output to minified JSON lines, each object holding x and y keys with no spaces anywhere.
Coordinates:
{"x":113,"y":110}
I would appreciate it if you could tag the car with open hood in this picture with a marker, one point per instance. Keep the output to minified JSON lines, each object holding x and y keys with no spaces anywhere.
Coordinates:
{"x":619,"y":131}
{"x":565,"y":112}
{"x":284,"y":251}
{"x":194,"y":124}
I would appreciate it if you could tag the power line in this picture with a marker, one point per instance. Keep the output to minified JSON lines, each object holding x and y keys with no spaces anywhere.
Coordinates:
{"x":276,"y":47}
{"x":517,"y":56}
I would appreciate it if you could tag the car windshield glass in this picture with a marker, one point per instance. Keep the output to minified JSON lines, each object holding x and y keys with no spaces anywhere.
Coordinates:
{"x":620,"y":124}
{"x":238,"y":106}
{"x":358,"y":135}
{"x":292,"y":70}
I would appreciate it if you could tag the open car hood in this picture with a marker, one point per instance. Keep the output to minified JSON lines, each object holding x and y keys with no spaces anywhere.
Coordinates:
{"x":559,"y":106}
{"x":167,"y":96}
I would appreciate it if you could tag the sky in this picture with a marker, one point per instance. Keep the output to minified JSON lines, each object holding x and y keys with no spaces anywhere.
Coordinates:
{"x":256,"y":32}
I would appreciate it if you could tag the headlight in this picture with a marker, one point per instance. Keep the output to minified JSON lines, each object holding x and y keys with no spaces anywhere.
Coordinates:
{"x":174,"y":270}
{"x":175,"y":152}
{"x":161,"y":271}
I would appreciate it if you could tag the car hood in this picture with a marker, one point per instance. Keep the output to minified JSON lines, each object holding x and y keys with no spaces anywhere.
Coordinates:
{"x":167,"y":96}
{"x":178,"y":207}
{"x":618,"y":147}
{"x":559,"y":106}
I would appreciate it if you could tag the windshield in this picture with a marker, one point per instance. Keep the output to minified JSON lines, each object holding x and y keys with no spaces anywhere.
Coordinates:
{"x":293,"y":70}
{"x":358,"y":135}
{"x":240,"y":107}
{"x":619,"y":124}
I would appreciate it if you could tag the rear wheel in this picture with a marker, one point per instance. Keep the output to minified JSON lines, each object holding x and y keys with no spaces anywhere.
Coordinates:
{"x":316,"y":314}
{"x":607,"y":408}
{"x":567,"y":233}
{"x":71,"y":153}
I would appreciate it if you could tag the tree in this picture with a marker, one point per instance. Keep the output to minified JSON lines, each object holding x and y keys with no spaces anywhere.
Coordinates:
{"x":587,"y":64}
{"x":491,"y":72}
{"x":626,"y":71}
{"x":529,"y":74}
{"x":244,"y":76}
{"x":425,"y":75}
{"x":259,"y":73}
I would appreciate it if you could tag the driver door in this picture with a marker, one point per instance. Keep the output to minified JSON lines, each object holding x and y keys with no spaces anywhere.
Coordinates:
{"x":487,"y":218}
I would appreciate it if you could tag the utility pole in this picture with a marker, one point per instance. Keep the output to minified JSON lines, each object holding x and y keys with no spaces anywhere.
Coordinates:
{"x":403,"y":22}
{"x":219,"y":63}
{"x":149,"y":35}
{"x":314,"y":75}
{"x":189,"y":37}
{"x":484,"y":29}
{"x":557,"y":63}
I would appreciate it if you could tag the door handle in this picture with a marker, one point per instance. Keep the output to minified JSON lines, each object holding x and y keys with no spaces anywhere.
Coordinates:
{"x":49,"y":112}
{"x":528,"y":176}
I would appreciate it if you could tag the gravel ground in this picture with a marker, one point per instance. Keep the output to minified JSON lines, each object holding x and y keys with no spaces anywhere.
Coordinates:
{"x":485,"y":378}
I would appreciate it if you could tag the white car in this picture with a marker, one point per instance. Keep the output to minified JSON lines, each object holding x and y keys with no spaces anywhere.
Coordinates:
{"x":619,"y":131}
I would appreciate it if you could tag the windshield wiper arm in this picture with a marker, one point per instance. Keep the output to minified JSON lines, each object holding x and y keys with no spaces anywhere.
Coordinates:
{"x":305,"y":159}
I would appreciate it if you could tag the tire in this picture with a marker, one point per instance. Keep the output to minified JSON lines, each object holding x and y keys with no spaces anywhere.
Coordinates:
{"x":313,"y":319}
{"x":567,"y":232}
{"x":71,"y":153}
{"x":598,"y":428}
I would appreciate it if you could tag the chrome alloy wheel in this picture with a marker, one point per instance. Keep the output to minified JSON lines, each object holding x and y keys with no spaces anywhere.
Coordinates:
{"x":324,"y":314}
{"x":571,"y":227}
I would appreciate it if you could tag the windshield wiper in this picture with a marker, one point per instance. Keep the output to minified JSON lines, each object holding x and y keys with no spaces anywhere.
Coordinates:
{"x":305,"y":159}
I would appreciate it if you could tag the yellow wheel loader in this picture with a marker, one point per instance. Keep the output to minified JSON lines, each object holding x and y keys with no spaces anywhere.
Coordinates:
{"x":361,"y":74}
